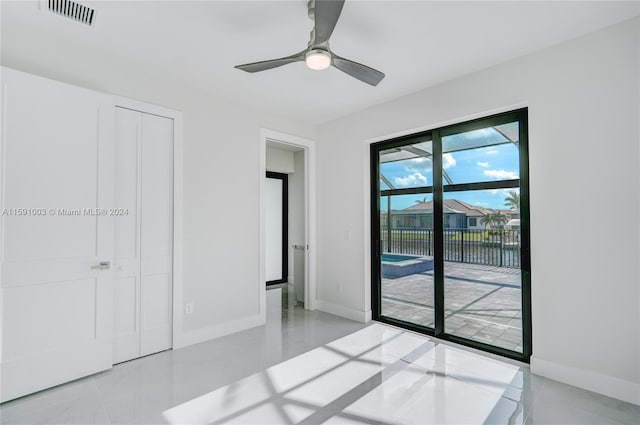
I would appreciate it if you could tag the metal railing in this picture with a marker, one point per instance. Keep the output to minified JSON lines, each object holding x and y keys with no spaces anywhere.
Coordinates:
{"x":499,"y":248}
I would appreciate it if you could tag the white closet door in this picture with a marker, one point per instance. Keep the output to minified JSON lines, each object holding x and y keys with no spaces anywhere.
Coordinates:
{"x":57,"y":149}
{"x":157,"y":234}
{"x":127,"y":236}
{"x":144,"y":237}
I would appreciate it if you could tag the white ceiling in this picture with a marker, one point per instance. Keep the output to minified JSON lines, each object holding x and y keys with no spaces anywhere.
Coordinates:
{"x":196,"y":44}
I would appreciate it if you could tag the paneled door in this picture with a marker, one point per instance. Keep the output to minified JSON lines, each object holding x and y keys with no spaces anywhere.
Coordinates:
{"x":143,"y":313}
{"x":56,"y":233}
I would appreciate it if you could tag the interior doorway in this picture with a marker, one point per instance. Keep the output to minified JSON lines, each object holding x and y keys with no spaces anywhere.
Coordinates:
{"x":287,"y":261}
{"x":285,"y":239}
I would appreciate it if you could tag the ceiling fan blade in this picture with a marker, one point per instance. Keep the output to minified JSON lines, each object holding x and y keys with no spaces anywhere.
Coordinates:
{"x":357,"y":70}
{"x":326,"y":14}
{"x":273,"y":63}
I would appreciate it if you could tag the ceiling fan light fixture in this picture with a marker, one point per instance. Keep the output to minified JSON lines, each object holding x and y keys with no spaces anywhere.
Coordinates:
{"x":317,"y":56}
{"x":317,"y":59}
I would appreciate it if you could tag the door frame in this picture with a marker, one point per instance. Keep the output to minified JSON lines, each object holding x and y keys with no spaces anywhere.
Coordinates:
{"x":309,"y":147}
{"x":178,"y":335}
{"x":285,"y":225}
{"x":436,"y":132}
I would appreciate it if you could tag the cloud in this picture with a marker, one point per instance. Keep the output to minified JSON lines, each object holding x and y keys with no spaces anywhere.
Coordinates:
{"x":418,"y":164}
{"x":448,"y":161}
{"x":415,"y":179}
{"x":483,"y":164}
{"x":502,"y":192}
{"x":492,"y":152}
{"x":501,"y":174}
{"x":423,"y":165}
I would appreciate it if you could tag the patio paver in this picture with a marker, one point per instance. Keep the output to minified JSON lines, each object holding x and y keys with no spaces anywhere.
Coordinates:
{"x":482,"y":303}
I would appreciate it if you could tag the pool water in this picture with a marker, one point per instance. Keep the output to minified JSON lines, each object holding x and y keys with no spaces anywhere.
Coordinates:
{"x":394,"y":258}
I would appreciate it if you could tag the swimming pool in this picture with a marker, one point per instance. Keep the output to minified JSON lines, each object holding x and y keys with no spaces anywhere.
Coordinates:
{"x":395,"y":258}
{"x":398,"y":265}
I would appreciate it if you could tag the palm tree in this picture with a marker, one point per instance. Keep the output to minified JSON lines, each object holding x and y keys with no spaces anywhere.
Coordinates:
{"x":512,"y":200}
{"x":494,"y":218}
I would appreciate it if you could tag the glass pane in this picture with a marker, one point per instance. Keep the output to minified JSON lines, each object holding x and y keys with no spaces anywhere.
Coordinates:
{"x":487,"y":154}
{"x":407,"y":166}
{"x":482,"y":278}
{"x":406,"y":234}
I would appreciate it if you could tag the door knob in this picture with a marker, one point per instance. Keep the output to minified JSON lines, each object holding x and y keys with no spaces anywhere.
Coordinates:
{"x":102,"y":265}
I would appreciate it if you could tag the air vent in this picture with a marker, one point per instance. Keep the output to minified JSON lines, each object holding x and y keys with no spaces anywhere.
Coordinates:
{"x":72,"y":10}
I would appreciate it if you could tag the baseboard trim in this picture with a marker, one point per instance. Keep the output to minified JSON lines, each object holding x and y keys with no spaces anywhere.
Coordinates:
{"x":346,"y":312}
{"x":211,"y":332}
{"x":368,"y":316}
{"x":588,"y":380}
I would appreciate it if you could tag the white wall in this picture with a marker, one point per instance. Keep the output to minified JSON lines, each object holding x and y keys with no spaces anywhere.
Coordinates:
{"x":221,"y":183}
{"x":279,"y":161}
{"x":583,"y":99}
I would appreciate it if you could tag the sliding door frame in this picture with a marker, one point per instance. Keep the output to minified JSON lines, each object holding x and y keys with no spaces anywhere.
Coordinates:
{"x":438,"y":190}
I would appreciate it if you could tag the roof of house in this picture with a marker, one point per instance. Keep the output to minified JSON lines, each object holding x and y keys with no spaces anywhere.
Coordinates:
{"x":411,"y":211}
{"x":451,"y":206}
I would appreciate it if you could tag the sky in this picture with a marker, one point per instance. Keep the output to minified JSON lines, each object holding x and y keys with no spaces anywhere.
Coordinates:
{"x":480,"y":164}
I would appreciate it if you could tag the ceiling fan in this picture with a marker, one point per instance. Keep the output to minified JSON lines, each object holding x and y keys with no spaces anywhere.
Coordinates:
{"x":317,"y":55}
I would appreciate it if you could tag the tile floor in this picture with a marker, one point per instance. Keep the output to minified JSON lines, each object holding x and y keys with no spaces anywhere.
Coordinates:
{"x":310,"y":368}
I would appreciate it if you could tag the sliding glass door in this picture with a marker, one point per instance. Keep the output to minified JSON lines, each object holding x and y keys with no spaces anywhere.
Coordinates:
{"x":450,"y":233}
{"x":407,"y":236}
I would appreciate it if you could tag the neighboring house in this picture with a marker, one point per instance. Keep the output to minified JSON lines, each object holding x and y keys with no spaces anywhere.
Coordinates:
{"x":512,"y":214}
{"x":457,"y":215}
{"x":513,"y":224}
{"x":421,"y":215}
